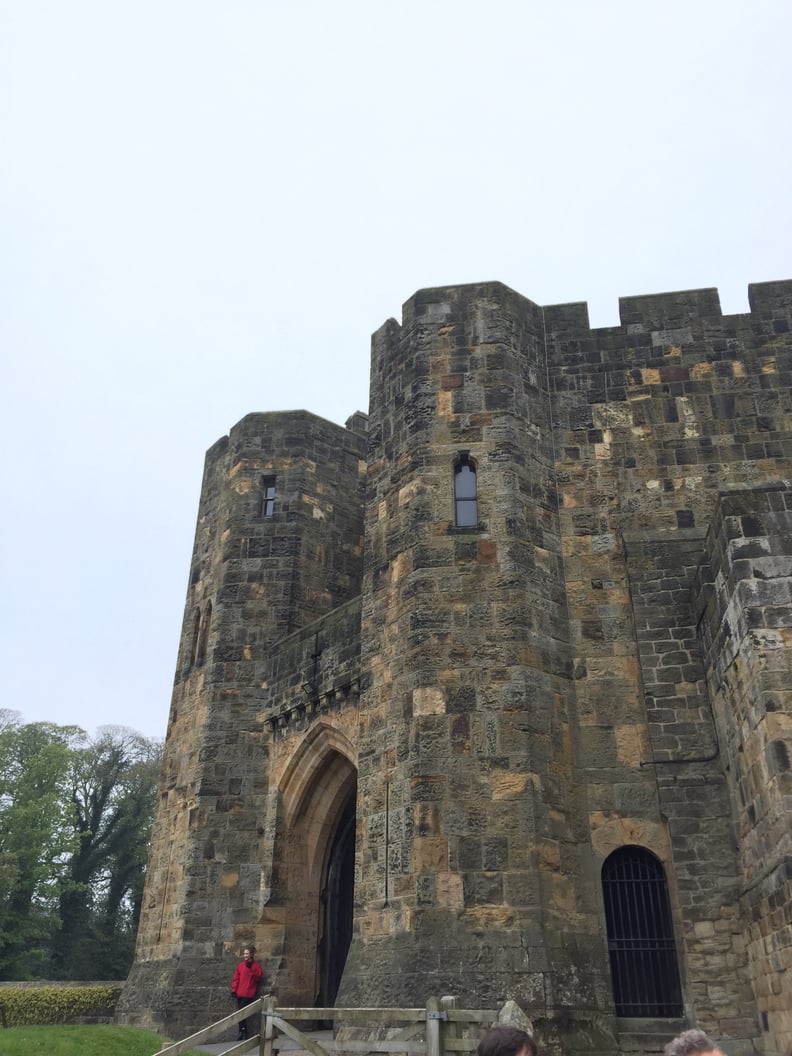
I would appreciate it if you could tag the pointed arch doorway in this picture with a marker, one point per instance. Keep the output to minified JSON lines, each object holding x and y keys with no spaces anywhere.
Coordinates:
{"x":337,"y":902}
{"x":318,"y":867}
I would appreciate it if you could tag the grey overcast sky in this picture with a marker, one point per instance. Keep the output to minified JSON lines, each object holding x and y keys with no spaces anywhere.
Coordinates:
{"x":206,"y":208}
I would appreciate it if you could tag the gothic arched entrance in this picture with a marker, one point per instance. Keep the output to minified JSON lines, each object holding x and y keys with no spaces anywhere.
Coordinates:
{"x":337,"y":899}
{"x":317,"y":867}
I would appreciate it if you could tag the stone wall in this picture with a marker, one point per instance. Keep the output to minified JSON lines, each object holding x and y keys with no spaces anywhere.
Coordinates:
{"x":656,"y":419}
{"x":599,"y":661}
{"x":745,"y":601}
{"x":689,"y":790}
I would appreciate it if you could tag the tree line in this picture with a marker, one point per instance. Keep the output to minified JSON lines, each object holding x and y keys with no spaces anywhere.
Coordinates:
{"x":75,"y":824}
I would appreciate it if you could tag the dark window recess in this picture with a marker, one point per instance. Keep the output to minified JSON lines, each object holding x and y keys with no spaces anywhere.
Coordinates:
{"x":781,"y":753}
{"x":203,"y":637}
{"x":643,"y":959}
{"x":267,"y":499}
{"x":195,"y":634}
{"x":465,"y":501}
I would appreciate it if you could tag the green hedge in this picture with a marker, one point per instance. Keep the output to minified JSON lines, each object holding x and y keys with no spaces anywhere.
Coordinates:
{"x":26,"y":1006}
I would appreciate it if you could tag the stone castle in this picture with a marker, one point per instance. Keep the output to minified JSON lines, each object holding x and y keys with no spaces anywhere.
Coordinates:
{"x":489,"y":693}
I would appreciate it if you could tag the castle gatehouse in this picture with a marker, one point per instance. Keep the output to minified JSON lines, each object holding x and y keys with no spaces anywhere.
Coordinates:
{"x":488,"y":692}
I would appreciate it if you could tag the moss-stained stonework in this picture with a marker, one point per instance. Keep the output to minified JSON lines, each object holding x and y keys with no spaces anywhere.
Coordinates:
{"x":601,"y":661}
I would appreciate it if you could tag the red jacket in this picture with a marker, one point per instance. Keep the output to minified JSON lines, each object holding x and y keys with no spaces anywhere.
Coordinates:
{"x":246,"y":979}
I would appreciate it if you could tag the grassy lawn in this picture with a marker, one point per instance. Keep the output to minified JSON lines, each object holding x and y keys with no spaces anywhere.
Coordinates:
{"x":81,"y":1041}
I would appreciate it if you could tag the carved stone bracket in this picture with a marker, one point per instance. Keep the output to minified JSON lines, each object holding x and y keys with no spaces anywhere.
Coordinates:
{"x":301,"y":713}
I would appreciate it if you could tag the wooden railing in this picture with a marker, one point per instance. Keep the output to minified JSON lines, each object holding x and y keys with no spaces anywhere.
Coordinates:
{"x":436,"y":1030}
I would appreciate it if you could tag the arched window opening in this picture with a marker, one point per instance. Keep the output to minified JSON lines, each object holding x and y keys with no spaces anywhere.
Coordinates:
{"x":465,"y":501}
{"x":203,"y":637}
{"x":643,"y":958}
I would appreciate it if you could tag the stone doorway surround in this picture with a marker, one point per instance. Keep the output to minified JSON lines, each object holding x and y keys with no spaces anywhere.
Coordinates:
{"x":318,"y":792}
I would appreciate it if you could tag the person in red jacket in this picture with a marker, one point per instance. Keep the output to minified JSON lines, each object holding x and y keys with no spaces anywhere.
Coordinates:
{"x":244,"y":986}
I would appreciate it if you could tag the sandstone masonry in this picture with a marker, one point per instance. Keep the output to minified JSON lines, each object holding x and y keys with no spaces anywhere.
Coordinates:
{"x":462,"y":682}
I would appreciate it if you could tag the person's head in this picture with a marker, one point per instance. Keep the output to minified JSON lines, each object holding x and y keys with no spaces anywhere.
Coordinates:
{"x":506,"y":1041}
{"x":249,"y":952}
{"x":691,"y":1043}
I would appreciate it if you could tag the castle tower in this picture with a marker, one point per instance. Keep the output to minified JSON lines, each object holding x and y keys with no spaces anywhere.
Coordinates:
{"x":278,"y":544}
{"x":470,"y":825}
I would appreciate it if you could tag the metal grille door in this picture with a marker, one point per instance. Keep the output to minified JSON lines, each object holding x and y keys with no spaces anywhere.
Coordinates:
{"x":643,"y":958}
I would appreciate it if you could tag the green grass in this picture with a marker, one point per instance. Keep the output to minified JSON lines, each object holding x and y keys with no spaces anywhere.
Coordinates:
{"x":81,"y":1041}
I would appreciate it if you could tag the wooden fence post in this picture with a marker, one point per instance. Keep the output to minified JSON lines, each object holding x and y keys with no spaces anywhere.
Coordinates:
{"x":267,"y":1031}
{"x":433,"y":1027}
{"x":449,"y":1028}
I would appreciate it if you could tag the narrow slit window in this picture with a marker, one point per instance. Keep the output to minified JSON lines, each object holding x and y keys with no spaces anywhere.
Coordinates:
{"x":641,"y":946}
{"x":465,"y":500}
{"x":195,"y":633}
{"x":267,"y":500}
{"x":203,"y":638}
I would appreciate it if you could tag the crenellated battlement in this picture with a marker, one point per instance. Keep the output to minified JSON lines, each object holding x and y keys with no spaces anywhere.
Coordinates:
{"x":685,"y":329}
{"x":657,"y":311}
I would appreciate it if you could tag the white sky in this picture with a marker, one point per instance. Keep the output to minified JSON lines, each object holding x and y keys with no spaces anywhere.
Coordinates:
{"x":207,"y":207}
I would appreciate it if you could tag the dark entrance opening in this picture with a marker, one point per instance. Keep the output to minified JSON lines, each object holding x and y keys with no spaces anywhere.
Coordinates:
{"x":643,"y":958}
{"x":337,"y":905}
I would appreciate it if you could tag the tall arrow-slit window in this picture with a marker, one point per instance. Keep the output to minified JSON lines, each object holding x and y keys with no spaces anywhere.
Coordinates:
{"x":203,"y":637}
{"x":465,"y":500}
{"x":195,"y":635}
